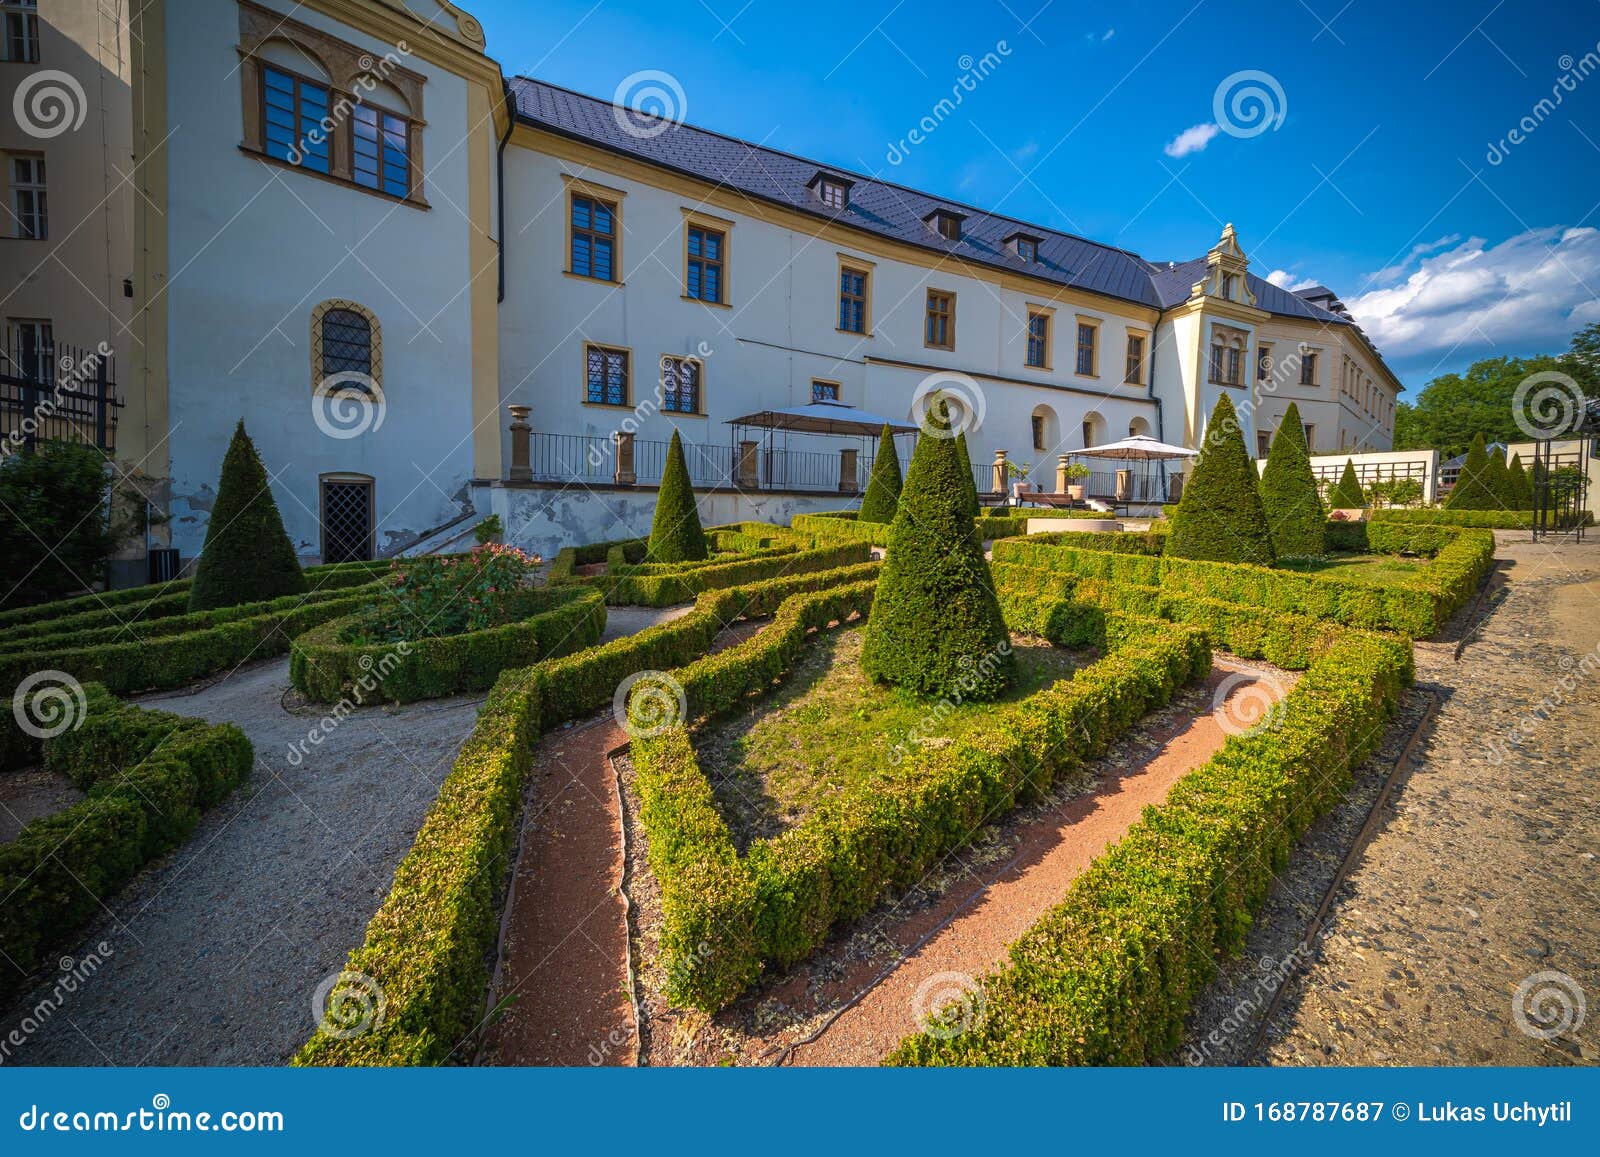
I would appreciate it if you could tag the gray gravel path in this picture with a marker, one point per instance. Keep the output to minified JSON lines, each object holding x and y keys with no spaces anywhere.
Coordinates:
{"x":217,"y":949}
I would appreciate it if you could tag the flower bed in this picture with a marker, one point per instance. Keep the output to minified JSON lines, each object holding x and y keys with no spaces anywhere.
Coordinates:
{"x":1107,"y":976}
{"x":331,"y":661}
{"x":726,"y":916}
{"x":148,"y":775}
{"x":428,"y":944}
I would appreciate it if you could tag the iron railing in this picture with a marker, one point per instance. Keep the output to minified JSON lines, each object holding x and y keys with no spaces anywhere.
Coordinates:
{"x":57,"y":392}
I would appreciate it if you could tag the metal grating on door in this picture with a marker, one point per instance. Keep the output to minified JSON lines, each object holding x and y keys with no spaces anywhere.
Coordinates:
{"x":346,"y":521}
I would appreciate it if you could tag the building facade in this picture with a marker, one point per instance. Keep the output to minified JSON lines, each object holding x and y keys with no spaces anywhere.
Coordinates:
{"x":360,"y":239}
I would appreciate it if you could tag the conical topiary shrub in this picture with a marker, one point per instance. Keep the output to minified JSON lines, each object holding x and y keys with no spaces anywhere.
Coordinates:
{"x":247,"y":556}
{"x":1347,"y":493}
{"x":935,"y":627}
{"x":969,"y":481}
{"x":1471,"y":491}
{"x":1295,"y":517}
{"x":883,"y":488}
{"x":1521,"y":489}
{"x":1220,"y":516}
{"x":1498,"y":478}
{"x":675,"y":534}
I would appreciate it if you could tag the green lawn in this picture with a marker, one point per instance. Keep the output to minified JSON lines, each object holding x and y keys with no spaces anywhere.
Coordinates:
{"x":1370,"y":568}
{"x":829,"y":729}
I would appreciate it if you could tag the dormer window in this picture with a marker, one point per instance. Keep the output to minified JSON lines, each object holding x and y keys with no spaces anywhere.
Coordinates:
{"x":832,"y":191}
{"x":1025,"y":246}
{"x":946,"y":224}
{"x":1229,"y":283}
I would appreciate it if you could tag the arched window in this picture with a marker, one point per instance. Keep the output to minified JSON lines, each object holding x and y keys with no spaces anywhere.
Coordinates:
{"x":1046,"y":429}
{"x":1138,"y":426}
{"x":346,"y":348}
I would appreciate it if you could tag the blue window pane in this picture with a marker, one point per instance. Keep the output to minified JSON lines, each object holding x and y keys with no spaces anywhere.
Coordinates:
{"x":580,"y":255}
{"x":602,"y":260}
{"x":713,"y":291}
{"x":602,"y":218}
{"x":695,"y":237}
{"x":694,"y":279}
{"x":713,"y":243}
{"x":580,"y":213}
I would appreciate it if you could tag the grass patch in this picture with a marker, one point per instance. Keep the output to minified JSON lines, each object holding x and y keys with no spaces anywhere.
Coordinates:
{"x":1367,"y":568}
{"x":829,"y":731}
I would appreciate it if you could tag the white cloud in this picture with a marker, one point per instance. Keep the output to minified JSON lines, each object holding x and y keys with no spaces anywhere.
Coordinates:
{"x":1530,"y":290}
{"x":1390,"y":273}
{"x":1110,"y":32}
{"x":1191,"y":140}
{"x":1283,"y":279}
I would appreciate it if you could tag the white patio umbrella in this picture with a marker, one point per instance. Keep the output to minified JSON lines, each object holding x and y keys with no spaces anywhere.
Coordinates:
{"x":1138,"y":448}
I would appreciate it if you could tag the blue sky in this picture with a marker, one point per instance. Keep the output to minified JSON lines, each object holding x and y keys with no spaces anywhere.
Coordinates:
{"x":1378,"y":181}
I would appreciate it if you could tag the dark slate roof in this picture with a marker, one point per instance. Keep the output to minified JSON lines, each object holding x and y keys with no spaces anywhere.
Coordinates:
{"x":881,"y":207}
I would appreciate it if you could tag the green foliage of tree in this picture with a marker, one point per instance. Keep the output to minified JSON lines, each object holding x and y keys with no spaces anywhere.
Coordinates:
{"x":1220,"y":516}
{"x":935,"y":628}
{"x":969,"y":482}
{"x":1472,"y":490}
{"x":1295,"y":517}
{"x":883,"y":488}
{"x":247,"y":556}
{"x":54,"y":533}
{"x":675,"y":532}
{"x":1521,"y":489}
{"x":1498,"y":478}
{"x":1347,"y":493}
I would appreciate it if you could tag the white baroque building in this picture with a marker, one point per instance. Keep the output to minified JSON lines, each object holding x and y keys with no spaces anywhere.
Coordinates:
{"x":358,"y":237}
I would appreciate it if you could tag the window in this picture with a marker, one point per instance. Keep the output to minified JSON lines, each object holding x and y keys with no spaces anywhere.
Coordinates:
{"x":822,"y":391}
{"x":594,"y":238}
{"x":852,"y":300}
{"x":1039,"y":341}
{"x":29,"y":349}
{"x":1088,"y":433}
{"x":22,"y":31}
{"x":1087,"y":332}
{"x":1263,"y":443}
{"x":28,"y":207}
{"x":1038,"y":432}
{"x":945,"y":223}
{"x":380,"y":151}
{"x":1311,"y":440}
{"x":680,"y":385}
{"x":833,"y":194}
{"x":1228,"y":284}
{"x":1225,"y":363}
{"x":345,"y":346}
{"x":940,"y":331}
{"x":293,"y":110}
{"x":1308,"y":368}
{"x":605,"y":376}
{"x":1135,"y":370}
{"x":346,"y":518}
{"x":1027,"y":249}
{"x":1263,"y":363}
{"x":703,"y":278}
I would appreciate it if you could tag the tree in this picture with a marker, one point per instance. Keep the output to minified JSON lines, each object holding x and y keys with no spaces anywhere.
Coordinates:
{"x":675,"y":533}
{"x":883,"y":488}
{"x":1472,"y":491}
{"x":1295,"y":517}
{"x":1498,"y":479}
{"x":1454,"y":408}
{"x":54,"y":534}
{"x":1520,"y":488}
{"x":1347,"y":493}
{"x":935,"y":628}
{"x":969,"y":483}
{"x":247,"y":557}
{"x":1220,"y":516}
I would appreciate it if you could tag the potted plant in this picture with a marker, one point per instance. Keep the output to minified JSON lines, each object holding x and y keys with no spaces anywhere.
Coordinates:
{"x":1017,"y":474}
{"x":1075,"y":475}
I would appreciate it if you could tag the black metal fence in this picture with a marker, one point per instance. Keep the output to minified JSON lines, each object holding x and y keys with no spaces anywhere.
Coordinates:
{"x":57,"y":392}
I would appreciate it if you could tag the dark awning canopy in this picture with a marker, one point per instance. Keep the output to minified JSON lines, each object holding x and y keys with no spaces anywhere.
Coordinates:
{"x":823,"y":417}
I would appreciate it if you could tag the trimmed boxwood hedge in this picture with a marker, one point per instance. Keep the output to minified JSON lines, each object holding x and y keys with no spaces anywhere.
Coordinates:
{"x":1416,"y":607}
{"x":429,"y":943}
{"x":779,"y":902}
{"x":1108,"y":975}
{"x":148,"y":775}
{"x":995,"y":522}
{"x":1483,"y":519}
{"x":555,"y":621}
{"x":671,"y":585}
